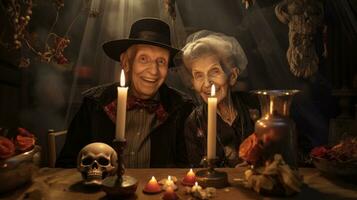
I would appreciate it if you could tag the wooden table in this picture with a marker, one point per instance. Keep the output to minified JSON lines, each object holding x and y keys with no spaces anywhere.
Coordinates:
{"x":54,"y":183}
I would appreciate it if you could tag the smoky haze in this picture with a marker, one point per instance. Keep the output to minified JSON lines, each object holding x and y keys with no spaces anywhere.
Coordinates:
{"x":56,"y":92}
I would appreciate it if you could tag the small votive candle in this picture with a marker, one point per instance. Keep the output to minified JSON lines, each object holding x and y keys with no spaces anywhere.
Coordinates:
{"x":152,"y":186}
{"x":189,"y":179}
{"x":196,"y":187}
{"x":170,"y":194}
{"x":169,"y":183}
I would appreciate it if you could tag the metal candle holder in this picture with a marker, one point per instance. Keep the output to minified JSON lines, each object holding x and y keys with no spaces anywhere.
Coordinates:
{"x":120,"y":184}
{"x":210,"y":177}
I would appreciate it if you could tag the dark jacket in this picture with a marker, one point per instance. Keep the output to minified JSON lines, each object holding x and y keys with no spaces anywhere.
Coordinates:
{"x":91,"y":124}
{"x":228,"y":137}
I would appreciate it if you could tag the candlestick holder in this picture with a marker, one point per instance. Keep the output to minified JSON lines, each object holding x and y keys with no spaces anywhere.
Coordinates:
{"x":210,"y":177}
{"x":120,"y":184}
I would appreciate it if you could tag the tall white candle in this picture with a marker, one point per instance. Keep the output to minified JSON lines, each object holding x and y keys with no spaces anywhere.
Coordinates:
{"x":211,"y":129}
{"x":121,"y":108}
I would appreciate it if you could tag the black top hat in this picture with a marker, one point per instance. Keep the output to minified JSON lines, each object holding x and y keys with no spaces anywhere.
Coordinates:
{"x":144,"y":31}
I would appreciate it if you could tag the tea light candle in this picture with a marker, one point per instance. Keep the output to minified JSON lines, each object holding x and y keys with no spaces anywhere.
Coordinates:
{"x":189,"y":179}
{"x":196,"y":187}
{"x":169,"y":183}
{"x":170,"y":194}
{"x":152,"y":186}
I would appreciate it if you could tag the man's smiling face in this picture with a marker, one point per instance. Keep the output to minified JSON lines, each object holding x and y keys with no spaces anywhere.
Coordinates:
{"x":148,"y":70}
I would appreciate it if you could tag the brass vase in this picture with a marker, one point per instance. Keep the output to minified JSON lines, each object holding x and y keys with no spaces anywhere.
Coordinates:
{"x":275,"y":129}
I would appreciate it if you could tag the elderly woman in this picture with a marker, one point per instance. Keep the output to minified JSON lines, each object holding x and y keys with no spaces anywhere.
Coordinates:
{"x":214,"y":58}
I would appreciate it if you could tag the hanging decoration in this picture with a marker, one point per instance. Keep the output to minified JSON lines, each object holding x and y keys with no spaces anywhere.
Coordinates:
{"x":19,"y":17}
{"x":169,"y":6}
{"x":94,"y":10}
{"x":303,"y":17}
{"x":248,"y":3}
{"x":19,"y":13}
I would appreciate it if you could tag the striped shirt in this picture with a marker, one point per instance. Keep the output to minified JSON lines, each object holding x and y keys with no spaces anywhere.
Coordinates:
{"x":139,"y":124}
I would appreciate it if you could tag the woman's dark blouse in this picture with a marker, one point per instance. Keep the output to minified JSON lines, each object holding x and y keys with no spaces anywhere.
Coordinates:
{"x":229,"y":137}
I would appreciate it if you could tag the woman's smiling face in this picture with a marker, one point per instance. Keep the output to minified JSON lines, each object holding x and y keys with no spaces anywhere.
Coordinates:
{"x":207,"y":70}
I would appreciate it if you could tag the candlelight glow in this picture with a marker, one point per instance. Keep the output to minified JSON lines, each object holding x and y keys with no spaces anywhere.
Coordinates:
{"x":191,"y":172}
{"x":153,"y":178}
{"x":121,"y":108}
{"x":169,"y":190}
{"x":169,"y":178}
{"x":196,"y":184}
{"x":213,"y":90}
{"x":122,"y":78}
{"x":211,"y":126}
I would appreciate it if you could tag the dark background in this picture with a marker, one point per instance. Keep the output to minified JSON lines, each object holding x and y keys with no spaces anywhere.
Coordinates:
{"x":37,"y":97}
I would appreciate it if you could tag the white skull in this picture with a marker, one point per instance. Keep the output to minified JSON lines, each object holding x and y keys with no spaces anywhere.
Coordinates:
{"x":96,"y":161}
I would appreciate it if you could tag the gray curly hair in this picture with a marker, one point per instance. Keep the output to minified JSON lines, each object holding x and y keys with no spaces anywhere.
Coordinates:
{"x":225,"y":47}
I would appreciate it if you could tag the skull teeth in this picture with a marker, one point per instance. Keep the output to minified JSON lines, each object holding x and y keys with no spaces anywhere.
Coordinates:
{"x":94,"y":174}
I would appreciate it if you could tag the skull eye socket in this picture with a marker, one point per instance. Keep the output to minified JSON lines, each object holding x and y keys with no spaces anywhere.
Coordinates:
{"x":87,"y":161}
{"x":103,"y":161}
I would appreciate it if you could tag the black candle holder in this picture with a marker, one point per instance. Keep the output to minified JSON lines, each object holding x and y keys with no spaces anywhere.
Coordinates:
{"x":210,"y":177}
{"x":120,"y":184}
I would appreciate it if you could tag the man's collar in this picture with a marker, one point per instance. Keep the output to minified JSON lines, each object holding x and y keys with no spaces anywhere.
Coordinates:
{"x":169,"y":98}
{"x":156,"y":97}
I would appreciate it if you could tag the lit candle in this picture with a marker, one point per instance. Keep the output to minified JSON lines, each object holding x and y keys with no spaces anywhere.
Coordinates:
{"x":170,"y":194}
{"x":169,"y":183}
{"x":189,"y":179}
{"x":152,"y":186}
{"x":211,"y":129}
{"x":196,"y":187}
{"x":121,"y":109}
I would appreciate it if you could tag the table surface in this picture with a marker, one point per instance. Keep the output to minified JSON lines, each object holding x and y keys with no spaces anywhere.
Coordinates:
{"x":56,"y":183}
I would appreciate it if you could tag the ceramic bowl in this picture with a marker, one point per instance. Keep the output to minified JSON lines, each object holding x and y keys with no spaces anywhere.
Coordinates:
{"x":19,"y":169}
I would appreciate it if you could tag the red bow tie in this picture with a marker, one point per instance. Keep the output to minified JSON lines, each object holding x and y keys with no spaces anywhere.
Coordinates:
{"x":152,"y":106}
{"x":147,"y":104}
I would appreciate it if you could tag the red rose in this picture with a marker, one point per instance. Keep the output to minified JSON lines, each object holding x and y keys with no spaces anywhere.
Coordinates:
{"x":319,"y":151}
{"x":24,"y":143}
{"x":25,"y":140}
{"x":250,"y":150}
{"x":7,"y":148}
{"x":24,"y":132}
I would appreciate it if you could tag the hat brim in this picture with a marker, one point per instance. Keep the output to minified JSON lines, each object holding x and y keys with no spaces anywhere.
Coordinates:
{"x":115,"y":48}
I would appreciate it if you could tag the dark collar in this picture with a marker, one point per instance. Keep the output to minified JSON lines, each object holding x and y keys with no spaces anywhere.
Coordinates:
{"x":170,"y":98}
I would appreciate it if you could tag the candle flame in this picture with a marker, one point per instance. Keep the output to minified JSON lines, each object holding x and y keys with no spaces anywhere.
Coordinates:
{"x":190,"y":173}
{"x":196,"y":184}
{"x":122,"y":78}
{"x":169,"y":178}
{"x":213,"y":90}
{"x":153,"y":178}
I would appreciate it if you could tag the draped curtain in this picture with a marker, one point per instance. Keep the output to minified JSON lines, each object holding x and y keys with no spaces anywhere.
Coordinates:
{"x":341,"y":42}
{"x":111,"y":20}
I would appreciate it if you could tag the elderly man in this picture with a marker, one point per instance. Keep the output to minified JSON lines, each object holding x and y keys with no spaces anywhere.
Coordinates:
{"x":155,"y":113}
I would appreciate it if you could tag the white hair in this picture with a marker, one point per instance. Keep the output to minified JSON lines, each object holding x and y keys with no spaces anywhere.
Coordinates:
{"x":225,"y":47}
